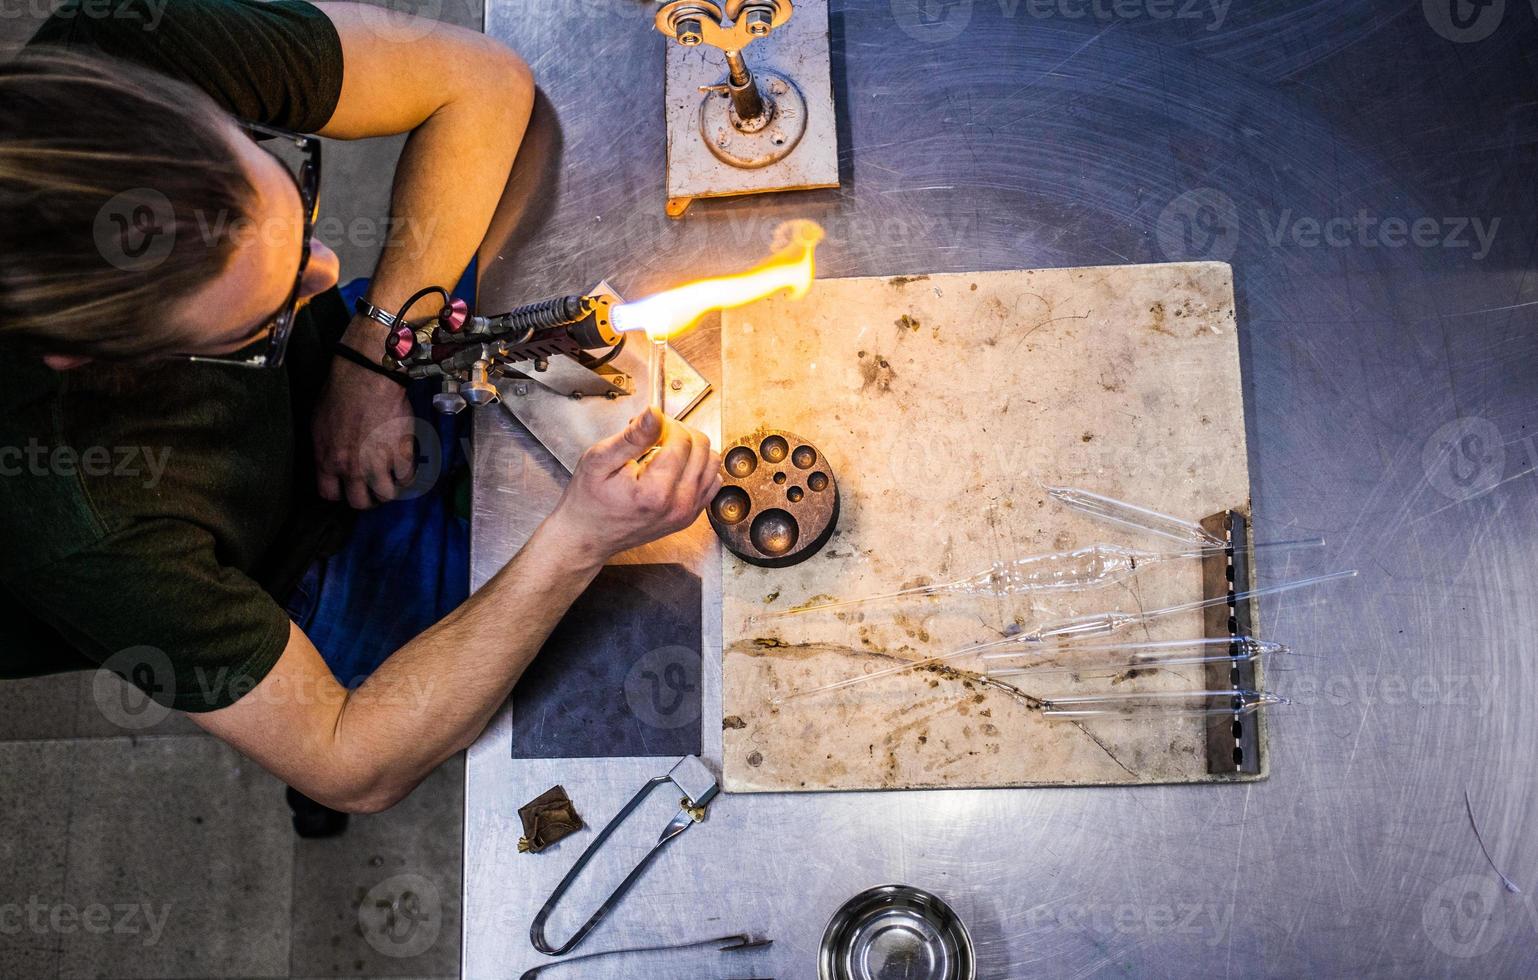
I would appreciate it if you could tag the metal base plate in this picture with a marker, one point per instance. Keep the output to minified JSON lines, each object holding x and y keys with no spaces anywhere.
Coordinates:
{"x":798,"y":51}
{"x":567,"y":426}
{"x":772,"y":142}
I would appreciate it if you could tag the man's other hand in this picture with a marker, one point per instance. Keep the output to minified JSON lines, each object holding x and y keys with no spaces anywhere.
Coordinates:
{"x":616,"y":501}
{"x":362,"y":432}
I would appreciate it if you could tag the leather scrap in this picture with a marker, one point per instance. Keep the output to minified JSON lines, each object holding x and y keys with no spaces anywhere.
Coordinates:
{"x":547,"y":818}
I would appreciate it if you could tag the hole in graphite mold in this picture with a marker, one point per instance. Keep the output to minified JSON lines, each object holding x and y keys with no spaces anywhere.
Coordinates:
{"x":731,"y":505}
{"x":774,"y":532}
{"x":740,"y":462}
{"x":774,"y":449}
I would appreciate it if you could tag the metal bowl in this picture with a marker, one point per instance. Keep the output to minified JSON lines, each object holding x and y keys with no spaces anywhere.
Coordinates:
{"x":896,"y":932}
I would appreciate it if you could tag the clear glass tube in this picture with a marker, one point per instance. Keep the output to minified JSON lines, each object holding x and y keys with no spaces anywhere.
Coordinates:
{"x":1058,"y":571}
{"x":1114,"y":658}
{"x":1241,"y":702}
{"x":1131,"y":515}
{"x":1065,"y":630}
{"x":657,"y":375}
{"x":1104,"y":623}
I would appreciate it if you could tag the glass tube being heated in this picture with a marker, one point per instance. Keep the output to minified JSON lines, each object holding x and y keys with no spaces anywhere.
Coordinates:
{"x":657,"y":375}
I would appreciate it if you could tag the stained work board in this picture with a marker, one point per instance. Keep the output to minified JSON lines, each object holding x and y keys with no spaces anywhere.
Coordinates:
{"x":945,"y":404}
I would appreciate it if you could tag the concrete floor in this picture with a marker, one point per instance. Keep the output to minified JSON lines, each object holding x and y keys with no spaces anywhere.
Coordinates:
{"x":159,"y":852}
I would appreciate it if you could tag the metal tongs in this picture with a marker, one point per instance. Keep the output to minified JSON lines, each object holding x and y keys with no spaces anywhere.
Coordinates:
{"x":698,"y":786}
{"x":725,"y":944}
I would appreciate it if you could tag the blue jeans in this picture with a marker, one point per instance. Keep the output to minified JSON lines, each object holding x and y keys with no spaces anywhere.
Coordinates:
{"x":406,"y":564}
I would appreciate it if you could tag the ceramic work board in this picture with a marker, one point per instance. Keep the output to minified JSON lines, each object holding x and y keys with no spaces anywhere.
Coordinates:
{"x":944,"y":404}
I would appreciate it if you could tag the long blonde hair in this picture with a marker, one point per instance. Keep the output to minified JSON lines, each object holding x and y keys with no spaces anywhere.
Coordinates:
{"x":117,"y":191}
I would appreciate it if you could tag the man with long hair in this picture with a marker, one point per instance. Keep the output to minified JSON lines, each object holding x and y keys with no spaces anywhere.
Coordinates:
{"x":184,"y":391}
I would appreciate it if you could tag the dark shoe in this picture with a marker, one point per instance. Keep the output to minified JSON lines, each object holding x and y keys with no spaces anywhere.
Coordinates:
{"x":314,"y":821}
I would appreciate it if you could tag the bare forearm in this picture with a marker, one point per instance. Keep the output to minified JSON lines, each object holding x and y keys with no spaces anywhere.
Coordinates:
{"x":447,"y":184}
{"x":448,"y":181}
{"x":432,"y":697}
{"x":364,"y":749}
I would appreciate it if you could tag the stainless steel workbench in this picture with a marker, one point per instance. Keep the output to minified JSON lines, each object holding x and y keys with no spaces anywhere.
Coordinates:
{"x":1368,"y":170}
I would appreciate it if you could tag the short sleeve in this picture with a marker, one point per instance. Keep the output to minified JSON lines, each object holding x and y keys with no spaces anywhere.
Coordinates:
{"x":278,"y":63}
{"x":197,"y":635}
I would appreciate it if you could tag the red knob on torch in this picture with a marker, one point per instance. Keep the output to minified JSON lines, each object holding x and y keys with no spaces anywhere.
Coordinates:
{"x":402,"y":342}
{"x":452,"y":317}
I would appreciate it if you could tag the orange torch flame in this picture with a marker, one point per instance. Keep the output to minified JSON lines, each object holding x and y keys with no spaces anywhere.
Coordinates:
{"x":674,"y":311}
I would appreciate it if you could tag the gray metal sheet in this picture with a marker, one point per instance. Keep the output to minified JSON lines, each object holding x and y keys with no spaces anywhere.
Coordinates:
{"x":1389,"y":387}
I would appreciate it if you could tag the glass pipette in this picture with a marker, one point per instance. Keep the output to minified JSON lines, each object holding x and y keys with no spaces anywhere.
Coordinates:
{"x":1131,"y":515}
{"x":1057,"y":571}
{"x":1236,"y":702}
{"x":1093,"y":624}
{"x":1114,"y":658}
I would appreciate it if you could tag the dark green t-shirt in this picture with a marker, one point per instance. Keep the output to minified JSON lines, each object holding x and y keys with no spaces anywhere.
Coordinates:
{"x":148,"y":505}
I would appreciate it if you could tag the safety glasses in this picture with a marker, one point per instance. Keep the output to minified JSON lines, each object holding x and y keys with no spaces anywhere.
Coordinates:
{"x":300,"y":156}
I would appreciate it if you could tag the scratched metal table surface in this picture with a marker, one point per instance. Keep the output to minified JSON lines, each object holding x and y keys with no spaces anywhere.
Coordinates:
{"x":1368,"y":170}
